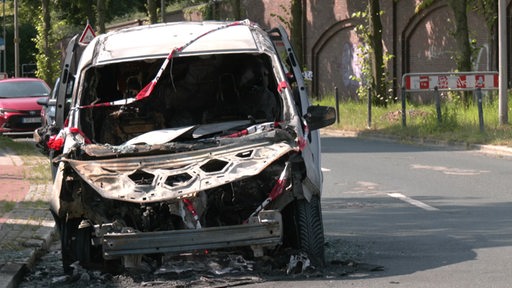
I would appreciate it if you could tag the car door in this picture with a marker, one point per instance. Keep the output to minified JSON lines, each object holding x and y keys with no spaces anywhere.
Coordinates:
{"x":311,"y":152}
{"x":64,"y":90}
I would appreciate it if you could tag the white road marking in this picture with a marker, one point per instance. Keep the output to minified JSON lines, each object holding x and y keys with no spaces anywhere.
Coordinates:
{"x":325,"y":169}
{"x":450,"y":171}
{"x":411,"y":201}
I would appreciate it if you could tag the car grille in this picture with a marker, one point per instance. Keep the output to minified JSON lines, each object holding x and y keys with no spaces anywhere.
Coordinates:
{"x":17,"y":122}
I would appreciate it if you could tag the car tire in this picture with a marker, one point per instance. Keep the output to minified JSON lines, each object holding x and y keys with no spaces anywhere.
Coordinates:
{"x":75,"y":244}
{"x":68,"y":229}
{"x":303,"y":228}
{"x":83,"y":245}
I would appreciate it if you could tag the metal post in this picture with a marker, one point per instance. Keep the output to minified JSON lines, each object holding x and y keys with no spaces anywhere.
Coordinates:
{"x":5,"y":40}
{"x":337,"y":104}
{"x":438,"y":105}
{"x":370,"y":108}
{"x":502,"y":51}
{"x":403,"y":108}
{"x":480,"y":109}
{"x":16,"y":42}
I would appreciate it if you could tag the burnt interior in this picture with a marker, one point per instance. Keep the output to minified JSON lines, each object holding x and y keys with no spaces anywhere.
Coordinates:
{"x":192,"y":90}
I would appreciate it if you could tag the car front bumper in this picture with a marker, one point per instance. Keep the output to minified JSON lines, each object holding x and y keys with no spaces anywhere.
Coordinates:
{"x":264,"y":231}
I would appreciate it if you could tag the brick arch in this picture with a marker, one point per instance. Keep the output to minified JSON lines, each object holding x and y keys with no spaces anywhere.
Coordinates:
{"x":415,"y":21}
{"x":412,"y":25}
{"x":322,"y":41}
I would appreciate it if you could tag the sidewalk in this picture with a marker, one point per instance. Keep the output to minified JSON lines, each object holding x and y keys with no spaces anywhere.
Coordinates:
{"x":28,"y":229}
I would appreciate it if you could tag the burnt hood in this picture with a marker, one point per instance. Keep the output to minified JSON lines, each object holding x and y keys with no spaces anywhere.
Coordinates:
{"x":143,"y":179}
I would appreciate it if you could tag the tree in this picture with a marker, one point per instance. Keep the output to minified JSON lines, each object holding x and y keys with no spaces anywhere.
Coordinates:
{"x":44,"y":70}
{"x":377,"y":54}
{"x":236,"y":9}
{"x":296,"y":28}
{"x":78,"y":12}
{"x":101,"y":12}
{"x":489,"y":10}
{"x":152,"y":11}
{"x":461,"y":35}
{"x":373,"y":59}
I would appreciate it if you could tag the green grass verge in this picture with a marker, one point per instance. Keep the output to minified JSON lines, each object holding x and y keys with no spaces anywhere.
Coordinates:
{"x":6,"y":206}
{"x":37,"y":166}
{"x":458,"y":123}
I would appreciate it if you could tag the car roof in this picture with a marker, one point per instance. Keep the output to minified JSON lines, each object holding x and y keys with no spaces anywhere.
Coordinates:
{"x":22,"y":79}
{"x":158,"y":40}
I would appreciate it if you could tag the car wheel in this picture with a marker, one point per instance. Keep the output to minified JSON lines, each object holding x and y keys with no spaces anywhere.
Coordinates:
{"x":68,"y":229}
{"x":75,"y":244}
{"x":304,"y":228}
{"x":83,"y":245}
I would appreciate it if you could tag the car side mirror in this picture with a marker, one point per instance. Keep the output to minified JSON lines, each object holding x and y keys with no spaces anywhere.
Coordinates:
{"x":43,"y":101}
{"x":319,"y":117}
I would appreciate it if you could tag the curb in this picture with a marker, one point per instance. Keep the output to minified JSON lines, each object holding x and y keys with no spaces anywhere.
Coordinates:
{"x":486,"y":149}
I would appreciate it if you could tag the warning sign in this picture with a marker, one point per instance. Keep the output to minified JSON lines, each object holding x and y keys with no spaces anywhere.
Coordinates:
{"x":87,"y":35}
{"x":450,"y":81}
{"x":461,"y":82}
{"x":424,"y":82}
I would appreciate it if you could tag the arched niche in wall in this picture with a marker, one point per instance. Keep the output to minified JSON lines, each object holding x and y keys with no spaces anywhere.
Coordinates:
{"x":332,"y":66}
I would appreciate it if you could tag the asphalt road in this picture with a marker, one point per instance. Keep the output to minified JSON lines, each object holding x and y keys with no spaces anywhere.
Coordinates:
{"x":429,"y":217}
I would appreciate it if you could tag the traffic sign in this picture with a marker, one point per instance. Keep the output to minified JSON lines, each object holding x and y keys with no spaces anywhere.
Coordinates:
{"x":87,"y":35}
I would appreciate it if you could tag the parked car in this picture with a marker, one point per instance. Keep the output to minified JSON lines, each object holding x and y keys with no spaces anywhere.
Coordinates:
{"x":186,"y":136}
{"x":48,"y":106}
{"x":19,"y":111}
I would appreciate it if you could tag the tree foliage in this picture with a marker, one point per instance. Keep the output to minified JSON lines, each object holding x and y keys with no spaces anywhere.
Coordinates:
{"x":373,"y":57}
{"x":78,"y":12}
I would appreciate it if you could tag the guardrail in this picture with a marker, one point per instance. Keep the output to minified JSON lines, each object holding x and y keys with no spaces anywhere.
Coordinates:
{"x":449,"y":81}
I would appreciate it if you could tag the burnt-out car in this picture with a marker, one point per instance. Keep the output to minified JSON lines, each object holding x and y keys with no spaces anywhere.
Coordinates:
{"x":181,"y":137}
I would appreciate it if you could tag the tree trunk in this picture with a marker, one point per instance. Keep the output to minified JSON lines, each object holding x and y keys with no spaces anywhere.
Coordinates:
{"x":459,"y":8}
{"x":377,"y":54}
{"x":46,"y":25}
{"x":151,"y":6}
{"x":296,"y":29}
{"x":236,"y":9}
{"x":46,"y":32}
{"x":101,"y":16}
{"x":463,"y":56}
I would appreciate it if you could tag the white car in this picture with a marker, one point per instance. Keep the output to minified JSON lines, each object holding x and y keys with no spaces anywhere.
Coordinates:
{"x":186,"y":136}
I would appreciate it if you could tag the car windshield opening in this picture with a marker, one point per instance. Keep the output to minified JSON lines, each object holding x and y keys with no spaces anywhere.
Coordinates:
{"x":20,"y":89}
{"x":193,"y":90}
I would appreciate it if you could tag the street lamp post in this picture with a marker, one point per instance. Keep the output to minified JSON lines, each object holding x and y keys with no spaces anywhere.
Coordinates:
{"x":5,"y":43}
{"x":16,"y":42}
{"x":502,"y":51}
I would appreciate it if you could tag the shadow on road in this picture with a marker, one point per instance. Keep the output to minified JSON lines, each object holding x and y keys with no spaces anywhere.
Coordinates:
{"x":405,"y":239}
{"x":361,"y":145}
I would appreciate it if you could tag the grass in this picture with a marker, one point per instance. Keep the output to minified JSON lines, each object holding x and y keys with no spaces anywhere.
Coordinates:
{"x":459,"y":124}
{"x":6,"y":206}
{"x":37,"y":166}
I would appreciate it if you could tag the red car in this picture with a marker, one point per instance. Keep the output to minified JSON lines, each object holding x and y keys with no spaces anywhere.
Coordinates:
{"x":19,"y":111}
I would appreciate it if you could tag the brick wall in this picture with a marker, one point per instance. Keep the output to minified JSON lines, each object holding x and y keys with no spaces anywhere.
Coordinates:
{"x":420,"y":42}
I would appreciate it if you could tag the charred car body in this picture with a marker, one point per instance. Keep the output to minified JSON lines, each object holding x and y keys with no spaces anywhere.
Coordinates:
{"x":219,"y":150}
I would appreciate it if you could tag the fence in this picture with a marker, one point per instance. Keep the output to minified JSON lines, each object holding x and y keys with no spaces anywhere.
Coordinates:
{"x":449,"y":81}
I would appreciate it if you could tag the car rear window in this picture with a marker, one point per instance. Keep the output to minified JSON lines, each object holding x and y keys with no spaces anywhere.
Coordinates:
{"x":22,"y":89}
